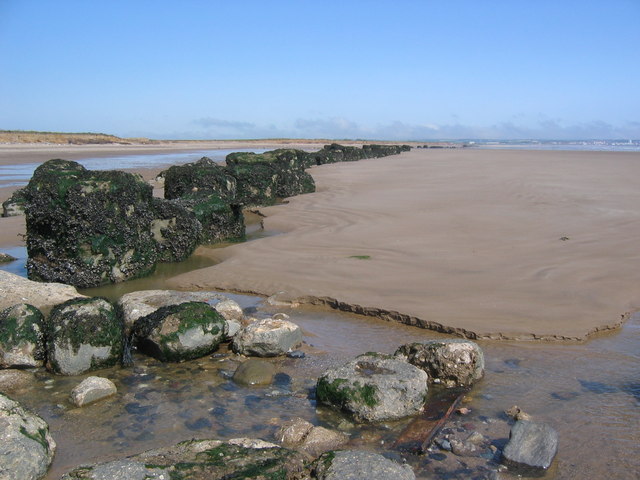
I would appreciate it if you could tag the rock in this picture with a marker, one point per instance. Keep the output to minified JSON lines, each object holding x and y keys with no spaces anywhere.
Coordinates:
{"x":296,"y":354}
{"x":205,"y":175}
{"x":87,"y":228}
{"x":314,"y":440}
{"x":267,"y":338}
{"x":359,"y":465}
{"x":12,"y":380}
{"x":139,"y":304}
{"x":15,"y":204}
{"x":175,"y":229}
{"x":517,"y":413}
{"x":338,"y":153}
{"x":230,"y":310}
{"x":92,"y":389}
{"x":254,"y":372}
{"x":83,"y":334}
{"x":180,"y":332}
{"x":452,"y":363}
{"x":221,"y":221}
{"x":464,"y":449}
{"x":374,"y":387}
{"x":6,"y":258}
{"x":201,"y":460}
{"x":15,"y":289}
{"x":233,"y":327}
{"x":26,"y":447}
{"x":21,"y":337}
{"x":531,"y":447}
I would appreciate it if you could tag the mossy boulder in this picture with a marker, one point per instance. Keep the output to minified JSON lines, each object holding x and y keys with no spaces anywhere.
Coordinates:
{"x":27,"y":448}
{"x":257,"y":183}
{"x":87,"y":228}
{"x":202,"y":460}
{"x":83,"y":334}
{"x":339,"y":153}
{"x":204,"y":176}
{"x":451,"y":362}
{"x":220,"y":220}
{"x":180,"y":332}
{"x":175,"y":229}
{"x":21,"y":337}
{"x":374,"y":387}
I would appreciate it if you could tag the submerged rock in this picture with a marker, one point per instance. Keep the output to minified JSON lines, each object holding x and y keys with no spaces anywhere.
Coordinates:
{"x":26,"y":449}
{"x":531,"y":447}
{"x":83,"y":334}
{"x":452,"y":362}
{"x":92,"y":389}
{"x":201,"y":460}
{"x":358,"y":465}
{"x":267,"y":338}
{"x":254,"y":372}
{"x":180,"y":332}
{"x":314,"y":440}
{"x":12,"y":380}
{"x":374,"y":387}
{"x":21,"y":337}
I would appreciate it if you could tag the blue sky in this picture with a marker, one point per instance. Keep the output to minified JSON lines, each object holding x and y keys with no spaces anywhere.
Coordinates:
{"x":397,"y":70}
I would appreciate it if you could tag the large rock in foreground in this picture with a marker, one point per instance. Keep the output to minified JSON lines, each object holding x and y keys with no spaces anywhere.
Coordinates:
{"x":26,"y":448}
{"x":82,"y":335}
{"x":267,"y":338}
{"x":201,"y":460}
{"x":180,"y":332}
{"x":531,"y":447}
{"x":15,"y":289}
{"x":21,"y":337}
{"x":374,"y":387}
{"x":359,"y":465}
{"x":451,"y":363}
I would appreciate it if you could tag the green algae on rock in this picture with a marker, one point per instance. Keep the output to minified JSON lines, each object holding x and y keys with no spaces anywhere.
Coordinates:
{"x":21,"y":337}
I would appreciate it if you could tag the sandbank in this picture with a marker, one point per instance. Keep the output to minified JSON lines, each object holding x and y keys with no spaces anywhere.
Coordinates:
{"x":482,"y":243}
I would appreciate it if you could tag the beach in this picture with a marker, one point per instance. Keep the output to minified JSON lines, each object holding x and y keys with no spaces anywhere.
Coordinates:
{"x":481,"y":243}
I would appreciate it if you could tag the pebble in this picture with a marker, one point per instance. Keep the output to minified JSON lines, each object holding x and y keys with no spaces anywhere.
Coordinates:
{"x":296,"y":354}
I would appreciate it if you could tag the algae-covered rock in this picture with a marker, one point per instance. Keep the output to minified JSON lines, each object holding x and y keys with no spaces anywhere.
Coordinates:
{"x":204,"y":176}
{"x":374,"y":387}
{"x":220,"y":220}
{"x":15,"y":204}
{"x":21,"y":337}
{"x":452,"y":362}
{"x":180,"y":332}
{"x":87,"y":228}
{"x":202,"y":460}
{"x":82,"y":335}
{"x":26,"y":449}
{"x":339,"y":153}
{"x":175,"y":229}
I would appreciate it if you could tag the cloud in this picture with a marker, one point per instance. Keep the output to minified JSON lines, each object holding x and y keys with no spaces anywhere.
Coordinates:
{"x":209,"y":122}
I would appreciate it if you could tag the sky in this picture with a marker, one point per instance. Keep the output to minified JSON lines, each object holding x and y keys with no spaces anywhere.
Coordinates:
{"x":349,"y":69}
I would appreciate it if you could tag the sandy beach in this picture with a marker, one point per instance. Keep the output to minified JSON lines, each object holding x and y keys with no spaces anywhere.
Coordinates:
{"x":488,"y":244}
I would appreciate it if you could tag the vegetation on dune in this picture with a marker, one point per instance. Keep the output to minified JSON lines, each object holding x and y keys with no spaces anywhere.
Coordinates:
{"x":81,"y":138}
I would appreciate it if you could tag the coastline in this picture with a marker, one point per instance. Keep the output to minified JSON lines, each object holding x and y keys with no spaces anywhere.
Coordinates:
{"x":467,"y":242}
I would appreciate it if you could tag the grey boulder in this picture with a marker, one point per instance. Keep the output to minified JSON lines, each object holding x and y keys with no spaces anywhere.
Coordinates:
{"x":26,"y":448}
{"x":267,"y":338}
{"x":374,"y":387}
{"x":92,"y":389}
{"x":531,"y":447}
{"x":359,"y":465}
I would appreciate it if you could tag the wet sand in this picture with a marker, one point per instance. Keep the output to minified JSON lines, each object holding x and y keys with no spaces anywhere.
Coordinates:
{"x":483,"y":243}
{"x":489,"y":244}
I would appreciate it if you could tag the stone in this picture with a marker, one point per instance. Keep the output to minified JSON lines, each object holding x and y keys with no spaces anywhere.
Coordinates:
{"x":26,"y":447}
{"x":15,"y":204}
{"x":87,"y":228}
{"x":204,"y":176}
{"x":320,"y":440}
{"x":180,"y":332}
{"x":374,"y":387}
{"x":201,"y":460}
{"x":21,"y":336}
{"x":267,"y":338}
{"x":230,"y":310}
{"x":15,"y":289}
{"x":6,"y":258}
{"x":139,"y":304}
{"x":254,"y":371}
{"x":233,"y":327}
{"x":83,"y":334}
{"x":92,"y":389}
{"x":12,"y":380}
{"x":359,"y":465}
{"x":221,"y":220}
{"x":293,"y":432}
{"x":451,"y":363}
{"x":531,"y":447}
{"x":517,"y":413}
{"x":175,"y":229}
